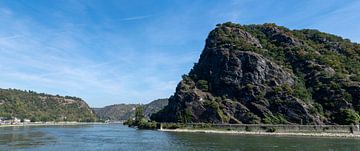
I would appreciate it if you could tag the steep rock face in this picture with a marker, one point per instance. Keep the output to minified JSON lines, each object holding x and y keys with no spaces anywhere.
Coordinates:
{"x":265,"y":74}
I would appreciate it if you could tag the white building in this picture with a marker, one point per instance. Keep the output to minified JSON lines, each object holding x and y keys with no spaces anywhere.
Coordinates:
{"x":27,"y":121}
{"x":16,"y":120}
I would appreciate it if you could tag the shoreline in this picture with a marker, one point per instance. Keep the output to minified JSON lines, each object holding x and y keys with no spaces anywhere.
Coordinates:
{"x":341,"y":135}
{"x":51,"y":124}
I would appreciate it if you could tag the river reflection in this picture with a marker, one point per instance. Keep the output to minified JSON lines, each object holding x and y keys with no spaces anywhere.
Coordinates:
{"x":22,"y":137}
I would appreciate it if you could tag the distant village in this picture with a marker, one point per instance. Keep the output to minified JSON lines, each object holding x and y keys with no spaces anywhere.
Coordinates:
{"x":13,"y":121}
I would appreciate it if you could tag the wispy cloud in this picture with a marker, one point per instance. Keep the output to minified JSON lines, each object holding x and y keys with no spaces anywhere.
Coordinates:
{"x":71,"y":61}
{"x":136,"y":18}
{"x":9,"y":37}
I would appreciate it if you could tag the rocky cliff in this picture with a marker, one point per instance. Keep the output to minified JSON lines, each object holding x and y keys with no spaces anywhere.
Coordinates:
{"x":269,"y":74}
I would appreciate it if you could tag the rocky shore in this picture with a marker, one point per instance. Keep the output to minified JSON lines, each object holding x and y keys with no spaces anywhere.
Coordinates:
{"x":343,"y":135}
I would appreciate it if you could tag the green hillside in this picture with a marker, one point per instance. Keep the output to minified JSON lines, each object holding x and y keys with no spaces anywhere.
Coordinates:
{"x":126,"y":111}
{"x":43,"y":107}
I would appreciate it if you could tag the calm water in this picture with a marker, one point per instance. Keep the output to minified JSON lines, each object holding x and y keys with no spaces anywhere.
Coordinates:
{"x":118,"y":137}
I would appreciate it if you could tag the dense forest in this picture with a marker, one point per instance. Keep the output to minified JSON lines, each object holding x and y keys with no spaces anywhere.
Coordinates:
{"x":43,"y":107}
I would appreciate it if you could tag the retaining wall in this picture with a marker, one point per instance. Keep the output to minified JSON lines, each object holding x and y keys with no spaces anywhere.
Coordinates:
{"x":277,"y":128}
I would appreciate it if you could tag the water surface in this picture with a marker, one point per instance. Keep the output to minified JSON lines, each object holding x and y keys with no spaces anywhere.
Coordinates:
{"x":118,"y":137}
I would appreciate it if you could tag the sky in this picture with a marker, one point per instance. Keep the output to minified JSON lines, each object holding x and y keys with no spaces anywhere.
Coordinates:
{"x":110,"y":52}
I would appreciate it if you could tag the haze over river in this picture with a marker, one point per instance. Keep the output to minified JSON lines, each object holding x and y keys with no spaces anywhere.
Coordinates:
{"x":119,"y":137}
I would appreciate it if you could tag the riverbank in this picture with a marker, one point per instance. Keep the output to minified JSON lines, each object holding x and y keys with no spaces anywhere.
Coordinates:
{"x":51,"y":124}
{"x":344,"y":135}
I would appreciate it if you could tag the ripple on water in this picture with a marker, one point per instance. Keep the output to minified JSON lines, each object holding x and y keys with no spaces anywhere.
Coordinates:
{"x":118,"y":137}
{"x":23,"y":137}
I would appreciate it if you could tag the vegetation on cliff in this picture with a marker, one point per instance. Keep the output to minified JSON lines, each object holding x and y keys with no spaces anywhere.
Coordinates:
{"x":269,"y":74}
{"x":43,"y":107}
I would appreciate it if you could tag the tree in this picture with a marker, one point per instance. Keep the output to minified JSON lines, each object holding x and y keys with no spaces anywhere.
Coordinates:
{"x":347,"y":117}
{"x":140,"y":121}
{"x":139,"y":113}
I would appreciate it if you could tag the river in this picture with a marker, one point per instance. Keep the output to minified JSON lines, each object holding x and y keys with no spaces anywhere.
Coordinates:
{"x":118,"y":137}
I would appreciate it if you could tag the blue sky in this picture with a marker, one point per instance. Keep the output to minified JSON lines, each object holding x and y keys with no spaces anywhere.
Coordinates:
{"x":110,"y":52}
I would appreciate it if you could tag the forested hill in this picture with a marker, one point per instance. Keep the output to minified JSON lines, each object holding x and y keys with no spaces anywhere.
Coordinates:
{"x":116,"y":112}
{"x":270,"y":74}
{"x":126,"y":111}
{"x":43,"y":107}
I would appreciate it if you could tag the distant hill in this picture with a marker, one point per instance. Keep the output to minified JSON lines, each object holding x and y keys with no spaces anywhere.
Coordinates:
{"x":126,"y":111}
{"x":155,"y":106}
{"x":269,"y":74}
{"x":116,"y":111}
{"x":43,"y":107}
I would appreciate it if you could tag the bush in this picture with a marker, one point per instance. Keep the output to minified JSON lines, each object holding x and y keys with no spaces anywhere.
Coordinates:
{"x":34,"y":119}
{"x":129,"y":122}
{"x":253,"y":119}
{"x":271,"y":130}
{"x":147,"y":125}
{"x":355,"y":77}
{"x":230,"y":129}
{"x":212,"y":105}
{"x":170,"y":126}
{"x":141,"y":124}
{"x":301,"y":91}
{"x":203,"y":125}
{"x":140,"y":121}
{"x":347,"y":117}
{"x":275,"y":119}
{"x":248,"y":129}
{"x":203,"y":85}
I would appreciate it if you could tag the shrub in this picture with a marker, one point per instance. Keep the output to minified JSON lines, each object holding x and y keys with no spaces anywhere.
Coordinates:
{"x":147,"y":125}
{"x":253,"y":119}
{"x":212,"y":104}
{"x":355,"y":77}
{"x":171,"y":126}
{"x":129,"y":122}
{"x":248,"y":129}
{"x":271,"y":130}
{"x":347,"y":117}
{"x":275,"y":119}
{"x":224,"y":118}
{"x":301,"y":91}
{"x":203,"y":125}
{"x":184,"y":116}
{"x":203,"y":85}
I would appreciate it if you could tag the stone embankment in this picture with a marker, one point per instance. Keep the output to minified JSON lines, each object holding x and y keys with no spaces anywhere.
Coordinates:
{"x":265,"y":129}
